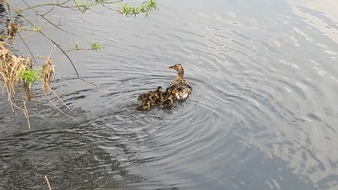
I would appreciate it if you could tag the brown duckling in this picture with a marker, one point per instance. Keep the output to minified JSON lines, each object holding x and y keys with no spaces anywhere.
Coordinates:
{"x":145,"y":104}
{"x":158,"y":94}
{"x":144,"y":95}
{"x":151,"y":94}
{"x":180,"y":84}
{"x":168,"y":98}
{"x":150,"y":99}
{"x":168,"y":102}
{"x":167,"y":92}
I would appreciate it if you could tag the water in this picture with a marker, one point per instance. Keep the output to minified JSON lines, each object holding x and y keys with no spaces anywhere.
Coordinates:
{"x":262,"y":113}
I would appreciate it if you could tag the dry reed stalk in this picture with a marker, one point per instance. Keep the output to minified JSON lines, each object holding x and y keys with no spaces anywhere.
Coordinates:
{"x":11,"y":67}
{"x":46,"y":74}
{"x":26,"y":113}
{"x":47,"y":181}
{"x":28,"y":91}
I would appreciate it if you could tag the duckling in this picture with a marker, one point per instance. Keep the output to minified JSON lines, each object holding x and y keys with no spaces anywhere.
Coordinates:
{"x":149,"y":99}
{"x":144,"y":95}
{"x":180,"y":84}
{"x":168,"y":102}
{"x":168,"y":98}
{"x":167,"y":92}
{"x":158,"y":94}
{"x":164,"y":95}
{"x":145,"y":105}
{"x":151,"y":94}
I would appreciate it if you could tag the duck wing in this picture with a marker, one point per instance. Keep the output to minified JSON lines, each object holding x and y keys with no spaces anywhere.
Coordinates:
{"x":180,"y":84}
{"x":181,"y":90}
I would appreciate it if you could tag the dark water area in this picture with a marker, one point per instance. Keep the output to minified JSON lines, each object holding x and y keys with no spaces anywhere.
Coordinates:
{"x":262,"y":114}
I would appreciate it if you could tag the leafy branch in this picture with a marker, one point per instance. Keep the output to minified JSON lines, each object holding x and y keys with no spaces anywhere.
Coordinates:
{"x":146,"y":8}
{"x":18,"y":71}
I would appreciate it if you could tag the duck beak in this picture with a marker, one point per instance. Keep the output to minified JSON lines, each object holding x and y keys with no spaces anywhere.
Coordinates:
{"x":171,"y":67}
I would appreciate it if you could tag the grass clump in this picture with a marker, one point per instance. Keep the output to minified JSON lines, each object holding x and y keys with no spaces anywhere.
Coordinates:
{"x":17,"y":75}
{"x":30,"y":76}
{"x":11,"y":68}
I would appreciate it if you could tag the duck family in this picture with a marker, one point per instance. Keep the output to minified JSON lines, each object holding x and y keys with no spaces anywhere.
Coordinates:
{"x":178,"y":90}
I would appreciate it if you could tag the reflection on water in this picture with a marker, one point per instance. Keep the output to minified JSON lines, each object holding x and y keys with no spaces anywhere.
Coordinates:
{"x":261,"y":116}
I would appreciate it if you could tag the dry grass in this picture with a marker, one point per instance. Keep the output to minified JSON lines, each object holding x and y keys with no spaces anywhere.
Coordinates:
{"x":11,"y":67}
{"x":46,"y":75}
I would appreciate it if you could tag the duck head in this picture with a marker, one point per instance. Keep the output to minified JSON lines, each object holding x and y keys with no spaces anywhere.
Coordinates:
{"x":159,"y":89}
{"x":179,"y":69}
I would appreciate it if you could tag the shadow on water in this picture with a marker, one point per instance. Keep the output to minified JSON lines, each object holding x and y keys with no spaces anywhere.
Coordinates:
{"x":261,"y":115}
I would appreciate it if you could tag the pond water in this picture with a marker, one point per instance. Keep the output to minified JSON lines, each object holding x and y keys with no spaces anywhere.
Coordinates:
{"x":262,"y":114}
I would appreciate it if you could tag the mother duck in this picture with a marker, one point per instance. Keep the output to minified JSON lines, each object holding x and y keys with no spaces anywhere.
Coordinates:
{"x":180,"y":86}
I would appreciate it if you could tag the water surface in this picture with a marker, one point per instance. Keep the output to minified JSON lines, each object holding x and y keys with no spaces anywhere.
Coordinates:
{"x":262,"y":113}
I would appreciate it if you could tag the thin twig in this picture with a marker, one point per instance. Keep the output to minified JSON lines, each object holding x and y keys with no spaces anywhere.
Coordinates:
{"x":47,"y":87}
{"x":26,"y":113}
{"x":9,"y":11}
{"x":46,"y":13}
{"x":55,"y":106}
{"x":27,"y":48}
{"x":60,"y":100}
{"x":47,"y":181}
{"x":48,"y":4}
{"x":57,"y":45}
{"x":36,"y":12}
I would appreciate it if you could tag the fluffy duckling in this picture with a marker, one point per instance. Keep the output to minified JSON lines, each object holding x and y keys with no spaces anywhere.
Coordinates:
{"x":168,"y":102}
{"x":168,"y":98}
{"x":150,"y":99}
{"x":180,"y":85}
{"x":151,"y":94}
{"x":166,"y":93}
{"x":158,"y":95}
{"x":145,"y":105}
{"x":144,"y":95}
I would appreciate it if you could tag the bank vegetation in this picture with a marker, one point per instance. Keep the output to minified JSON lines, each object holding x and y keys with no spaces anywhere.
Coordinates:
{"x":20,"y":75}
